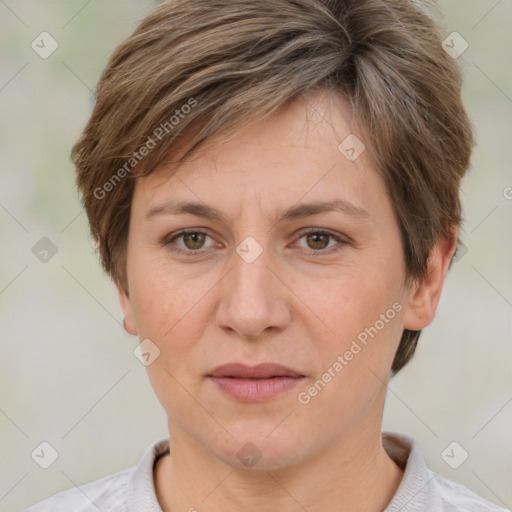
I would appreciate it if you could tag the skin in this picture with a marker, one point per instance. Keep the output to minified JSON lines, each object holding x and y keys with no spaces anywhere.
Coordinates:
{"x":297,"y":304}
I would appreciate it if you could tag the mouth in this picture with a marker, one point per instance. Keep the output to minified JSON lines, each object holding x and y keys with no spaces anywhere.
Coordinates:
{"x":254,"y":383}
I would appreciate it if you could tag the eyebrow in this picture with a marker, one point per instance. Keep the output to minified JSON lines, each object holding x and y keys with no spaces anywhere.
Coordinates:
{"x":294,"y":212}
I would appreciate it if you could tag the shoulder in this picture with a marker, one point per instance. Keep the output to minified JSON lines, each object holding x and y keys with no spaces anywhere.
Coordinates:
{"x":107,"y":494}
{"x":422,"y":489}
{"x":131,"y":489}
{"x":454,"y":496}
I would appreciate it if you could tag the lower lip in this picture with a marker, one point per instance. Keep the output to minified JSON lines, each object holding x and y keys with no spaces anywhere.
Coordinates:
{"x":255,"y":390}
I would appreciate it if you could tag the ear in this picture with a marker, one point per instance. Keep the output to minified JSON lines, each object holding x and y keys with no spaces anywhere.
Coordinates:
{"x":424,"y":296}
{"x":126,"y":306}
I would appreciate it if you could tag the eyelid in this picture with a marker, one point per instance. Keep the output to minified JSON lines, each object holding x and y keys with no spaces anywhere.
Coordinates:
{"x":340,"y":239}
{"x":168,"y":240}
{"x":312,"y":229}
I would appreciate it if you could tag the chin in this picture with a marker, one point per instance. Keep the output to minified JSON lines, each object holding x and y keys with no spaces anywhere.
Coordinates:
{"x":263,"y":447}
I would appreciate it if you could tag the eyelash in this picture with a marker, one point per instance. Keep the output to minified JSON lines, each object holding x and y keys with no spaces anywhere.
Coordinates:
{"x":168,"y":241}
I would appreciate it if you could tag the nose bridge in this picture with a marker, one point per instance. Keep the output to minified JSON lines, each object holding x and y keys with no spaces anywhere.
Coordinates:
{"x":252,"y":298}
{"x":251,"y":273}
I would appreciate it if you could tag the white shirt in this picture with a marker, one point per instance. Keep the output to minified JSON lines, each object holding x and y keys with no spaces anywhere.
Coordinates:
{"x":133,"y":489}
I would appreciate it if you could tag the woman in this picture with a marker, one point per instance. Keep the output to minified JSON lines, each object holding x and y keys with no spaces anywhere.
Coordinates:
{"x":274,"y":189}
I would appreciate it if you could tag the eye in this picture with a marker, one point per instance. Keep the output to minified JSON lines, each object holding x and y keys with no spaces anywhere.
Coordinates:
{"x":317,"y":240}
{"x":193,"y":240}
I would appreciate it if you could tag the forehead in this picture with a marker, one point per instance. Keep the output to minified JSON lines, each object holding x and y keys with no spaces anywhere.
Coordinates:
{"x":293,"y":156}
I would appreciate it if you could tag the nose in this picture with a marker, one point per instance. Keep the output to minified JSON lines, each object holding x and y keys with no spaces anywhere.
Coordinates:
{"x":254,"y":301}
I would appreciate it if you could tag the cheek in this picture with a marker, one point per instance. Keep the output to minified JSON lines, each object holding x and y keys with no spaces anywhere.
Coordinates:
{"x":355,"y":365}
{"x":174,"y":310}
{"x":169,"y":309}
{"x":363,"y":312}
{"x":355,"y":300}
{"x":165,"y":297}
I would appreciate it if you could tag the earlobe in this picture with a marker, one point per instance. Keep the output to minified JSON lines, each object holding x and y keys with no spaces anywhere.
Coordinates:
{"x":126,"y":305}
{"x":424,"y":296}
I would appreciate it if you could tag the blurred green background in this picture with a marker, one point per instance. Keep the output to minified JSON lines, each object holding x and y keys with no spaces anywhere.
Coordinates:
{"x":67,"y":372}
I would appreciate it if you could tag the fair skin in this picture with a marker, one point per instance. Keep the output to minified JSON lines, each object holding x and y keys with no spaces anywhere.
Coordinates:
{"x":300,"y":303}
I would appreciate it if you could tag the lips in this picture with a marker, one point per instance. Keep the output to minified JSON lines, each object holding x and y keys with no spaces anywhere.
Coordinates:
{"x":260,"y":371}
{"x":259,"y":383}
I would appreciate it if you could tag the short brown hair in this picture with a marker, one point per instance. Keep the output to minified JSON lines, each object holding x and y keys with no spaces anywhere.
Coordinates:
{"x":235,"y":62}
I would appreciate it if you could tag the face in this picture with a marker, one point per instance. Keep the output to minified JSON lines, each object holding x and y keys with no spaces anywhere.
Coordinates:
{"x":270,"y":278}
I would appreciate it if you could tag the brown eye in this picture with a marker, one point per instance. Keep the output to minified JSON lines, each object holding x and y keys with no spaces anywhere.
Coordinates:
{"x":188,"y":241}
{"x":193,"y":240}
{"x":318,"y":240}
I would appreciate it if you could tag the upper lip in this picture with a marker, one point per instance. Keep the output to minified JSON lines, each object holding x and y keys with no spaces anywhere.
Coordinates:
{"x":259,"y":371}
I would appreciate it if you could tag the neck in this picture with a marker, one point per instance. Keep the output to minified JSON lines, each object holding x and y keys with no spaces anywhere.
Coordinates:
{"x":356,"y":475}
